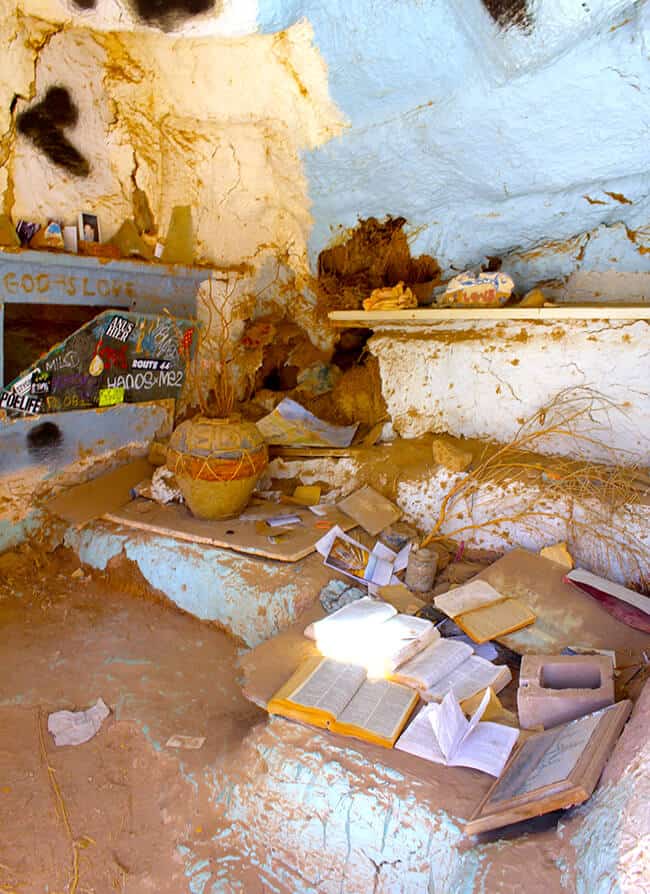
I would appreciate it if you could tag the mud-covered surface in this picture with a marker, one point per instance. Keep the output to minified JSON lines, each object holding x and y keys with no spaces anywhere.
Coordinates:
{"x":373,"y":255}
{"x":67,"y":641}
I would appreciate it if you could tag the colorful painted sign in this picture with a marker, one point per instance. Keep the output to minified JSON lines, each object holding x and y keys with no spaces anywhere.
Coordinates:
{"x":119,"y":357}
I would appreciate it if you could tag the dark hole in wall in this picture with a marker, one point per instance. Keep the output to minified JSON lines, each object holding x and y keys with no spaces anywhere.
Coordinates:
{"x":44,"y":437}
{"x":510,"y":13}
{"x":44,"y":124}
{"x":31,"y":330}
{"x":85,"y":4}
{"x":350,"y":348}
{"x":374,"y":255}
{"x":167,"y":13}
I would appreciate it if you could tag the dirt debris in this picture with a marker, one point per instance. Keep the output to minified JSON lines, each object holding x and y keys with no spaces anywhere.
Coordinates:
{"x":373,"y":255}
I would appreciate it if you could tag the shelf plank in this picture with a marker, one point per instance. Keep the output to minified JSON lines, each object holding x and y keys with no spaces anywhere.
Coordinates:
{"x":423,"y":316}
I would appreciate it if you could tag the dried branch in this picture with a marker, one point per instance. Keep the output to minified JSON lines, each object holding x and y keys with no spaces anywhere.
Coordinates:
{"x":594,"y":503}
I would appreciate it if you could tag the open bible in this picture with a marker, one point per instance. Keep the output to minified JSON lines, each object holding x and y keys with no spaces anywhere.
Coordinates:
{"x":339,"y":697}
{"x":550,"y":770}
{"x":451,"y":666}
{"x":440,"y":733}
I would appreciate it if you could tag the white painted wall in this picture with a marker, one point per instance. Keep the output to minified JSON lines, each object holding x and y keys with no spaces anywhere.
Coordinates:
{"x":485,"y":380}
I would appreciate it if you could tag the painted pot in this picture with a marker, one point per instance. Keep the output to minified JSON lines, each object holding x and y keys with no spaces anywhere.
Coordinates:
{"x":217,"y":463}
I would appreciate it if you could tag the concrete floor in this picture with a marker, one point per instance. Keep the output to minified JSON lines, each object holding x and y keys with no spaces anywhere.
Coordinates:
{"x":132,"y":803}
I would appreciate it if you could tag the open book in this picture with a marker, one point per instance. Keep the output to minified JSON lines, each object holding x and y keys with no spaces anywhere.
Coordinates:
{"x":440,"y":733}
{"x":553,"y":769}
{"x":482,"y":612}
{"x":340,"y":698}
{"x":371,"y":633}
{"x":450,"y":666}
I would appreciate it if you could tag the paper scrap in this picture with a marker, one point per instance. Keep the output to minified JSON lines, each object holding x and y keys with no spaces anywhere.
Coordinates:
{"x":188,"y":742}
{"x":370,"y":509}
{"x":307,"y":495}
{"x":351,"y":558}
{"x":291,"y":425}
{"x":281,"y":521}
{"x":77,"y":727}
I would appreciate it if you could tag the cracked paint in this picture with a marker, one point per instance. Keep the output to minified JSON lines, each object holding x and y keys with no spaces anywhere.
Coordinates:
{"x":512,"y":377}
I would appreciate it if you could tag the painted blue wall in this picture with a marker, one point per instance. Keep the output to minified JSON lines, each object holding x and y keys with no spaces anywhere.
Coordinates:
{"x":485,"y":140}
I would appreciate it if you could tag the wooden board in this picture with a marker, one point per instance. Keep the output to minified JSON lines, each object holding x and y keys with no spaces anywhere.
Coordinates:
{"x":107,"y":493}
{"x":238,"y":534}
{"x":565,"y":616}
{"x":422,"y":316}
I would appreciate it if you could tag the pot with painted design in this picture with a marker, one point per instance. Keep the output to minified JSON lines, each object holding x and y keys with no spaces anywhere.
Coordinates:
{"x":217,"y":463}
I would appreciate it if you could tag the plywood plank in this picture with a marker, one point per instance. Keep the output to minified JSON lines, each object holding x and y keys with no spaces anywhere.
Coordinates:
{"x":107,"y":493}
{"x":422,"y":316}
{"x":565,"y":616}
{"x":239,"y":534}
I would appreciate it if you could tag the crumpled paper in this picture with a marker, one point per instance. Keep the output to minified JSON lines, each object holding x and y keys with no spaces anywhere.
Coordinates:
{"x":394,"y":298}
{"x":77,"y":727}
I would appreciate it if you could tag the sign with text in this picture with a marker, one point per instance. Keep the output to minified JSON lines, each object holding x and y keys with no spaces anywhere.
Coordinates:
{"x":116,"y":358}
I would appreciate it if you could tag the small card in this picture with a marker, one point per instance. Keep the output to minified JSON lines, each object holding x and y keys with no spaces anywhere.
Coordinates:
{"x":191,"y":743}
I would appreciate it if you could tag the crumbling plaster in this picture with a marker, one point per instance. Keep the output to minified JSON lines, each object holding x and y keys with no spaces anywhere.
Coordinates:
{"x":216,"y":120}
{"x":484,"y":380}
{"x":487,"y":140}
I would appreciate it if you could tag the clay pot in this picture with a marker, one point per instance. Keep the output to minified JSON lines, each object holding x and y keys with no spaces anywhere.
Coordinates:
{"x":217,"y":463}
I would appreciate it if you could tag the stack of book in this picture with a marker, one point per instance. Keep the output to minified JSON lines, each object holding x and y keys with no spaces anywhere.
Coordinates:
{"x":376,"y":665}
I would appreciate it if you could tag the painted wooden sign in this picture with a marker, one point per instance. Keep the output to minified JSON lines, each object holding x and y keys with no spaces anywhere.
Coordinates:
{"x":119,"y":357}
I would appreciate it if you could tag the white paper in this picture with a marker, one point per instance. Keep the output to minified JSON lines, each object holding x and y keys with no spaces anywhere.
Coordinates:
{"x":395,"y":641}
{"x":439,"y":661}
{"x":483,"y":650}
{"x":278,"y":521}
{"x":291,"y":425}
{"x":77,"y":727}
{"x":345,"y":635}
{"x":378,"y":569}
{"x":472,"y":595}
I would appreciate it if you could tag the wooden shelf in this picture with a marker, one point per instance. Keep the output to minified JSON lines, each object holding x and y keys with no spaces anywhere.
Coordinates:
{"x":422,"y":316}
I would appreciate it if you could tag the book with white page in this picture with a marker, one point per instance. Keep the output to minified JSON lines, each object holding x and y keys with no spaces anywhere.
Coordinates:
{"x":372,"y":634}
{"x":441,"y":733}
{"x":449,"y":665}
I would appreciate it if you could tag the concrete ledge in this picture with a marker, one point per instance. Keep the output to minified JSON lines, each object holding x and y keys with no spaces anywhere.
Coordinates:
{"x":304,"y":813}
{"x":250,"y":597}
{"x":77,"y":445}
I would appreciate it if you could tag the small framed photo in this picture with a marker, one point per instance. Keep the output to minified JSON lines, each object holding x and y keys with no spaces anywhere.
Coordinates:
{"x":88,"y":226}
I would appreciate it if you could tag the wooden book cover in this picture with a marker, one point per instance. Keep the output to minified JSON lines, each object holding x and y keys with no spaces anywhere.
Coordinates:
{"x":339,"y":697}
{"x":555,"y":769}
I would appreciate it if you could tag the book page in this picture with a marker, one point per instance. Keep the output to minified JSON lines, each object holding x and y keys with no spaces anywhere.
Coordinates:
{"x":495,"y":620}
{"x":378,"y":706}
{"x":437,"y":662}
{"x":469,"y":678}
{"x":396,"y":640}
{"x":356,"y":616}
{"x":487,"y":748}
{"x":449,"y":726}
{"x":547,"y":758}
{"x":465,"y":598}
{"x":330,"y":687}
{"x":418,"y":738}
